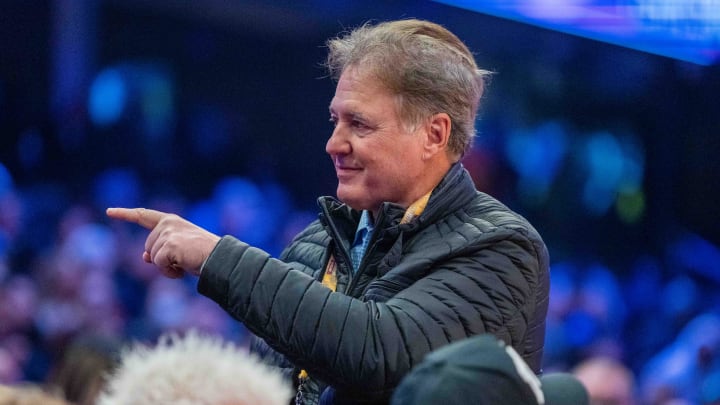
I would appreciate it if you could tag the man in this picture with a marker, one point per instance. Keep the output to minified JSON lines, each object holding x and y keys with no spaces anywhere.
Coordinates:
{"x":412,"y":257}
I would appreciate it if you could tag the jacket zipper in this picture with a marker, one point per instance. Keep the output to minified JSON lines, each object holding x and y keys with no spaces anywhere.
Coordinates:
{"x":340,"y":247}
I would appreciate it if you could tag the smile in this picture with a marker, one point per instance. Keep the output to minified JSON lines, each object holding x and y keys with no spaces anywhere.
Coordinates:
{"x":346,"y":171}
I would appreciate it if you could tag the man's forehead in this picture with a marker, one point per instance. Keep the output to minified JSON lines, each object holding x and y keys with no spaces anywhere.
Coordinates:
{"x":351,"y":104}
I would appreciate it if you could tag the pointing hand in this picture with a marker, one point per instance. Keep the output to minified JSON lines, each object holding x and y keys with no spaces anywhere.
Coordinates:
{"x":175,"y":245}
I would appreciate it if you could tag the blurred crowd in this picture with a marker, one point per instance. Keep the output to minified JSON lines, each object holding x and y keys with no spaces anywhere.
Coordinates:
{"x":69,"y":276}
{"x":73,"y":288}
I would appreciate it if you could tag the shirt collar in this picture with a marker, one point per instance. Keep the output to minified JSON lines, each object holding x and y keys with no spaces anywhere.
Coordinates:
{"x":365,"y":224}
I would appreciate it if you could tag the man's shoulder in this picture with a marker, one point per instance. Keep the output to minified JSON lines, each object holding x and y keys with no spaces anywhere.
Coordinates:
{"x":459,"y":203}
{"x":491,"y":213}
{"x":481,"y":218}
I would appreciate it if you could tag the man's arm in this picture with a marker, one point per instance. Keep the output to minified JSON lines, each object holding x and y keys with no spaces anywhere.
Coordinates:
{"x":368,"y":345}
{"x":345,"y":341}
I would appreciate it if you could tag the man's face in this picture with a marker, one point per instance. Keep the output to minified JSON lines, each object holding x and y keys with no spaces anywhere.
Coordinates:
{"x":376,"y":159}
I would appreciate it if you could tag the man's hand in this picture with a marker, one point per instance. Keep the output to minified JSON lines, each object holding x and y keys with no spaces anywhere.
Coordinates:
{"x":174,"y":245}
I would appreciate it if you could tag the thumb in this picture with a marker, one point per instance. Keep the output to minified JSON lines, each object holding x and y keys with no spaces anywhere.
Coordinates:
{"x":146,"y":218}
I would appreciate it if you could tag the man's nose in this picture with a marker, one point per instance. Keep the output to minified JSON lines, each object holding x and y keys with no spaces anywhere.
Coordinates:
{"x":338,"y":144}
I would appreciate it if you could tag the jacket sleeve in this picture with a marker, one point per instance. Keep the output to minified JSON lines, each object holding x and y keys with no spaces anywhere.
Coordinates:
{"x":369,"y":345}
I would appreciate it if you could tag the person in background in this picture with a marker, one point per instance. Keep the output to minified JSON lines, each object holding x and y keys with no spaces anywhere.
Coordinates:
{"x":483,"y":370}
{"x":193,"y":369}
{"x":687,"y":369}
{"x":608,"y":381}
{"x":80,"y":374}
{"x":410,"y":256}
{"x":27,"y":394}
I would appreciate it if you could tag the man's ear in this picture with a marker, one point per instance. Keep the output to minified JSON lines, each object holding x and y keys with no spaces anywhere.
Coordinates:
{"x":438,"y":129}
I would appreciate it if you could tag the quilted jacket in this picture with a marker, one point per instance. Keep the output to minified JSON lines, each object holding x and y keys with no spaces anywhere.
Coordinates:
{"x":467,"y":265}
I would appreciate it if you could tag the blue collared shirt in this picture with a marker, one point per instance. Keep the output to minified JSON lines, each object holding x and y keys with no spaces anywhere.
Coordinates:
{"x":362,"y":239}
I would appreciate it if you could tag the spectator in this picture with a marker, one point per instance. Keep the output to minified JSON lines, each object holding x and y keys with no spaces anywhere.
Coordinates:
{"x":484,"y":370}
{"x":80,"y":374}
{"x":194,"y":369}
{"x":27,"y":395}
{"x":409,"y":258}
{"x":608,"y":381}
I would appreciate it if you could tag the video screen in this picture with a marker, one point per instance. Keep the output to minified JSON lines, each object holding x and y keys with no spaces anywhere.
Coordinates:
{"x":687,"y":30}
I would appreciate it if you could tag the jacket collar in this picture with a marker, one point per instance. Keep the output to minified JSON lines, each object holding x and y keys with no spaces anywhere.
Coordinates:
{"x":454,"y":191}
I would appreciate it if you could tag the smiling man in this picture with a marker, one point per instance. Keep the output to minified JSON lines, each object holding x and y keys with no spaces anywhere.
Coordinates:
{"x":409,"y":257}
{"x":378,"y":157}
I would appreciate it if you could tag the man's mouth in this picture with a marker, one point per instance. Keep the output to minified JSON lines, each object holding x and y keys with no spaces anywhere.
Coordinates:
{"x":343,"y":171}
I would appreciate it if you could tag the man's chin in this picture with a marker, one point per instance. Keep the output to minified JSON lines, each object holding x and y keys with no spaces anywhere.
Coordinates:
{"x":349,"y":198}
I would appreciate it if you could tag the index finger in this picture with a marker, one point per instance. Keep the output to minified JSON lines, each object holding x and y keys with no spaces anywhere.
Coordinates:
{"x":144,"y":217}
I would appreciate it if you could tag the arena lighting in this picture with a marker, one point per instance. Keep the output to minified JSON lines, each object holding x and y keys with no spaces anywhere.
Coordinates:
{"x":138,"y":92}
{"x":687,"y":30}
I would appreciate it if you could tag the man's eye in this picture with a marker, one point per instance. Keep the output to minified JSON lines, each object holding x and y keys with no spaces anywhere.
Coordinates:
{"x":358,"y":124}
{"x":333,"y":120}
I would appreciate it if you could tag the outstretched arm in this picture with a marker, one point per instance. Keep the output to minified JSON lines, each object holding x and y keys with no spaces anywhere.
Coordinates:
{"x":174,"y":244}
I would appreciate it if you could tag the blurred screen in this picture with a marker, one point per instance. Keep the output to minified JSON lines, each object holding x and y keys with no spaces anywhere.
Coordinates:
{"x":688,"y":30}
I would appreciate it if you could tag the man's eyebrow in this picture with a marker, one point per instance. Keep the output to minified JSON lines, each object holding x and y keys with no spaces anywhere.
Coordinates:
{"x":351,"y":114}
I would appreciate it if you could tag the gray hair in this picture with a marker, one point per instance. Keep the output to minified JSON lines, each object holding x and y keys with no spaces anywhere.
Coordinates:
{"x":426,"y":66}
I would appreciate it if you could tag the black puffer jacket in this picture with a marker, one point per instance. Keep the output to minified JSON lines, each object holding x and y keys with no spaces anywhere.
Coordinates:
{"x":467,"y":265}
